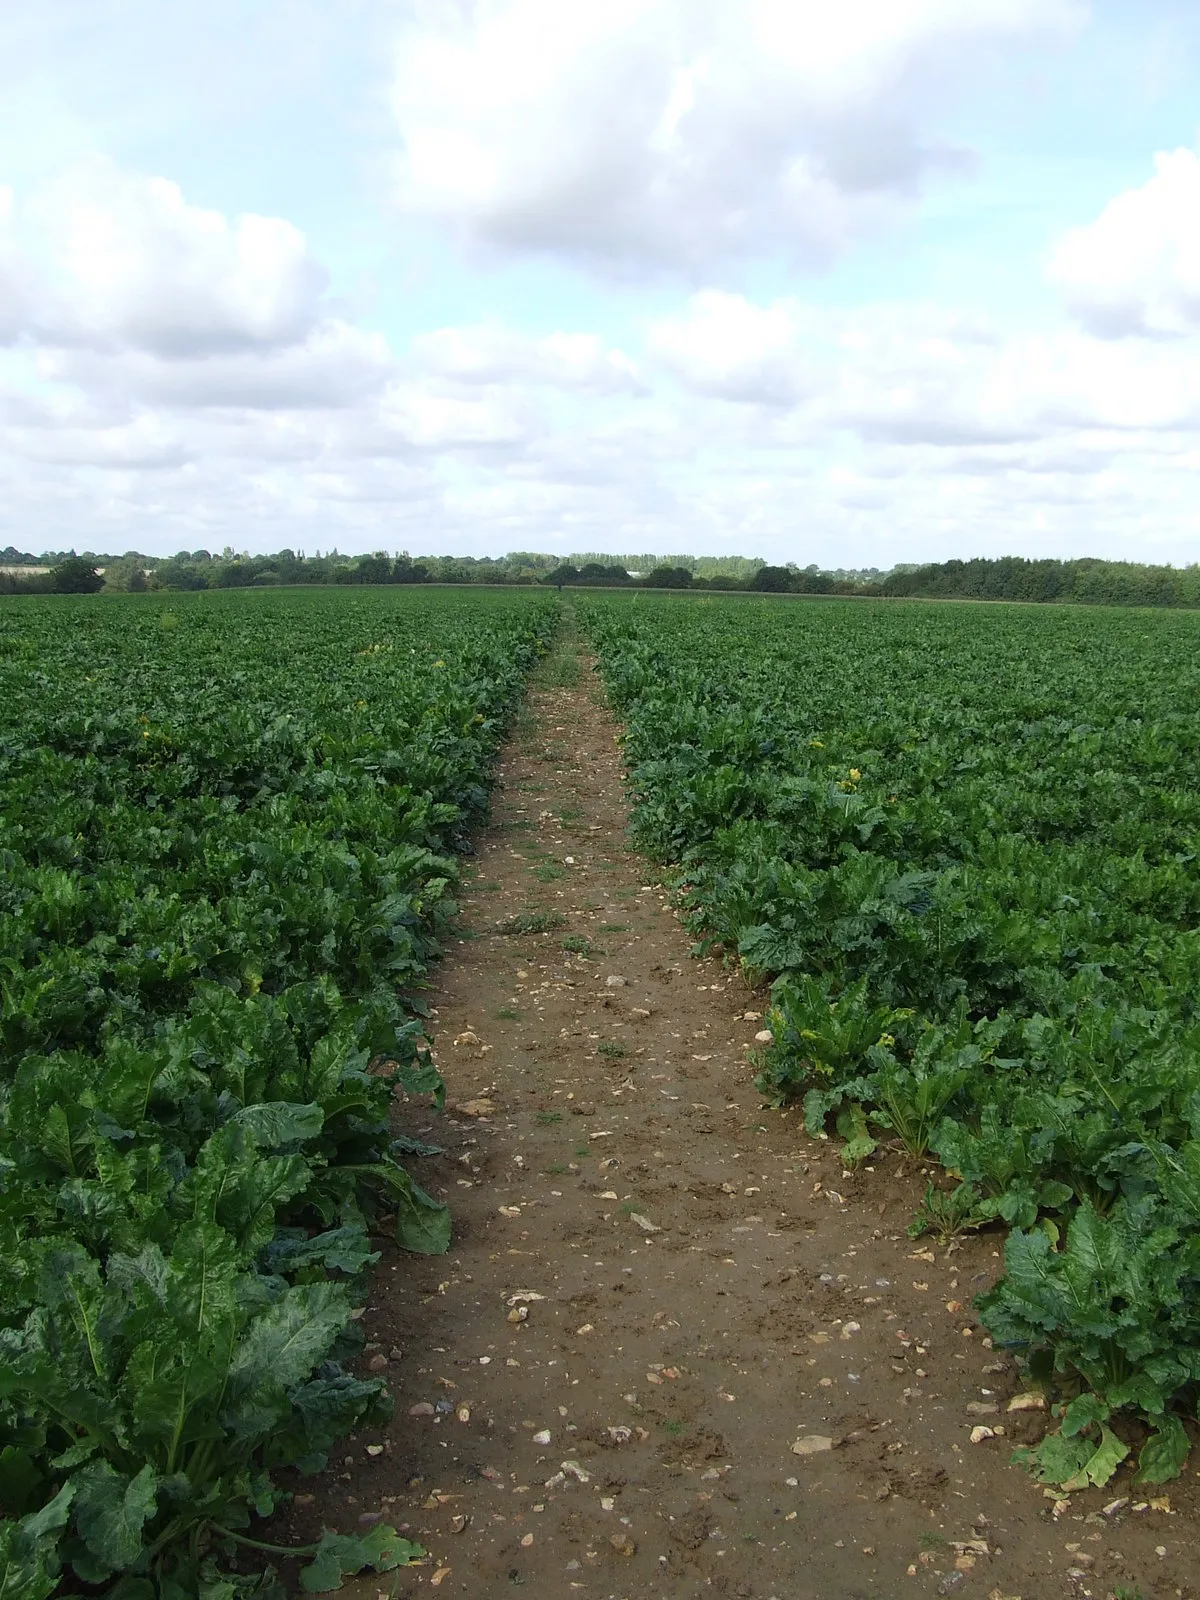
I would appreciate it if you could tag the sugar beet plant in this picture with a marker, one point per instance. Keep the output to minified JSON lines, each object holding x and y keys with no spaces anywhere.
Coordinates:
{"x":965,"y":843}
{"x":227,"y":834}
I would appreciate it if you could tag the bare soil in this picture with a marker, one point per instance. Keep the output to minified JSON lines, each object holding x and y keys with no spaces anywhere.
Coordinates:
{"x":658,"y":1288}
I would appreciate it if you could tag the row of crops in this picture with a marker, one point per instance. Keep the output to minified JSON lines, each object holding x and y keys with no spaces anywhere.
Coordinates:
{"x":227,"y":837}
{"x":966,"y":844}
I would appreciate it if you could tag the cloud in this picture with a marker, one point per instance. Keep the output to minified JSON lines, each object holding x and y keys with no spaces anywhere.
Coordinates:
{"x":127,"y":291}
{"x":335,"y":366}
{"x":724,"y":345}
{"x":489,"y":353}
{"x":918,"y":374}
{"x":145,"y":443}
{"x":426,"y":420}
{"x":131,"y":264}
{"x":685,"y":133}
{"x":1136,"y":268}
{"x":14,"y":287}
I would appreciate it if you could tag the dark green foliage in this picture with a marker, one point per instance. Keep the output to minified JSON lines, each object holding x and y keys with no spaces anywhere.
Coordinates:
{"x":668,"y":578}
{"x":75,"y":576}
{"x":532,"y":922}
{"x":1086,"y":581}
{"x":964,"y":842}
{"x":229,"y":826}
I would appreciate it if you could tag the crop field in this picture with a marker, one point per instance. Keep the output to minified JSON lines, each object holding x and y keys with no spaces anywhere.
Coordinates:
{"x":960,"y":843}
{"x":227,"y":835}
{"x":964,"y":842}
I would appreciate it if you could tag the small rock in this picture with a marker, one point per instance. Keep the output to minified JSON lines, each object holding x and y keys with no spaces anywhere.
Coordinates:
{"x":467,"y":1037}
{"x":542,"y":1436}
{"x":572,"y":1469}
{"x":1027,"y":1402}
{"x":812,"y":1444}
{"x":614,"y":983}
{"x":423,"y":1408}
{"x":751,"y":1016}
{"x":587,"y":1327}
{"x":849,"y":1329}
{"x":395,"y":1353}
{"x":971,"y":1547}
{"x":463,"y":1413}
{"x":622,"y":1544}
{"x":518,"y":1314}
{"x":763,"y":1036}
{"x":374,"y":1449}
{"x":618,"y":1435}
{"x":368,"y":1519}
{"x":476,"y":1108}
{"x":526,"y":1540}
{"x":1113,"y":1506}
{"x":644,"y":1223}
{"x":982,"y":1408}
{"x":951,"y":1582}
{"x":510,"y":1211}
{"x":377,"y":1364}
{"x":459,"y":1523}
{"x":979,"y":1434}
{"x":640,"y":1011}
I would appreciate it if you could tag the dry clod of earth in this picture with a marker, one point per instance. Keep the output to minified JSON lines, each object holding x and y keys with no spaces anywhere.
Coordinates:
{"x":711,"y":1294}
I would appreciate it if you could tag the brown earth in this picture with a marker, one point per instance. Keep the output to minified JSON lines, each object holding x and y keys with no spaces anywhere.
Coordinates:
{"x":657,"y":1288}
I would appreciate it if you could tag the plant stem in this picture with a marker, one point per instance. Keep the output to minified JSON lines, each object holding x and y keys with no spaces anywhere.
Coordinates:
{"x":259,"y":1544}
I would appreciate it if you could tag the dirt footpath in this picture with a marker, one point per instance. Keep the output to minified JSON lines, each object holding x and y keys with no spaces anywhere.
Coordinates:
{"x":675,"y":1350}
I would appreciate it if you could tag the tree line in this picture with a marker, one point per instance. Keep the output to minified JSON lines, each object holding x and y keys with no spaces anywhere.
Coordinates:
{"x":1083,"y":581}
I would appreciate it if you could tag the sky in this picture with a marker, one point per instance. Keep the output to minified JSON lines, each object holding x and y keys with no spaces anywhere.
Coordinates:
{"x":856,"y":284}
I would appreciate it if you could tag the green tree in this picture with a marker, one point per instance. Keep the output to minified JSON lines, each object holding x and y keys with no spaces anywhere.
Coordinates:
{"x":668,"y":578}
{"x":126,"y":576}
{"x":566,"y":573}
{"x":772,"y":580}
{"x":73,"y":575}
{"x":376,"y":568}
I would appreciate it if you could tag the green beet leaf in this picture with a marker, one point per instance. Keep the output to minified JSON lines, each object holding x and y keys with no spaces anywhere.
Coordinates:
{"x":110,"y":1512}
{"x":341,"y":1555}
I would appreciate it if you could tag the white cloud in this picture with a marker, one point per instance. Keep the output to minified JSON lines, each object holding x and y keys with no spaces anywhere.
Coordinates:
{"x":131,"y":263}
{"x":335,"y":366}
{"x":427,"y":420}
{"x":146,"y":442}
{"x":685,"y":132}
{"x":724,"y":345}
{"x":918,"y":374}
{"x":490,"y":352}
{"x":1136,"y":268}
{"x":14,"y":288}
